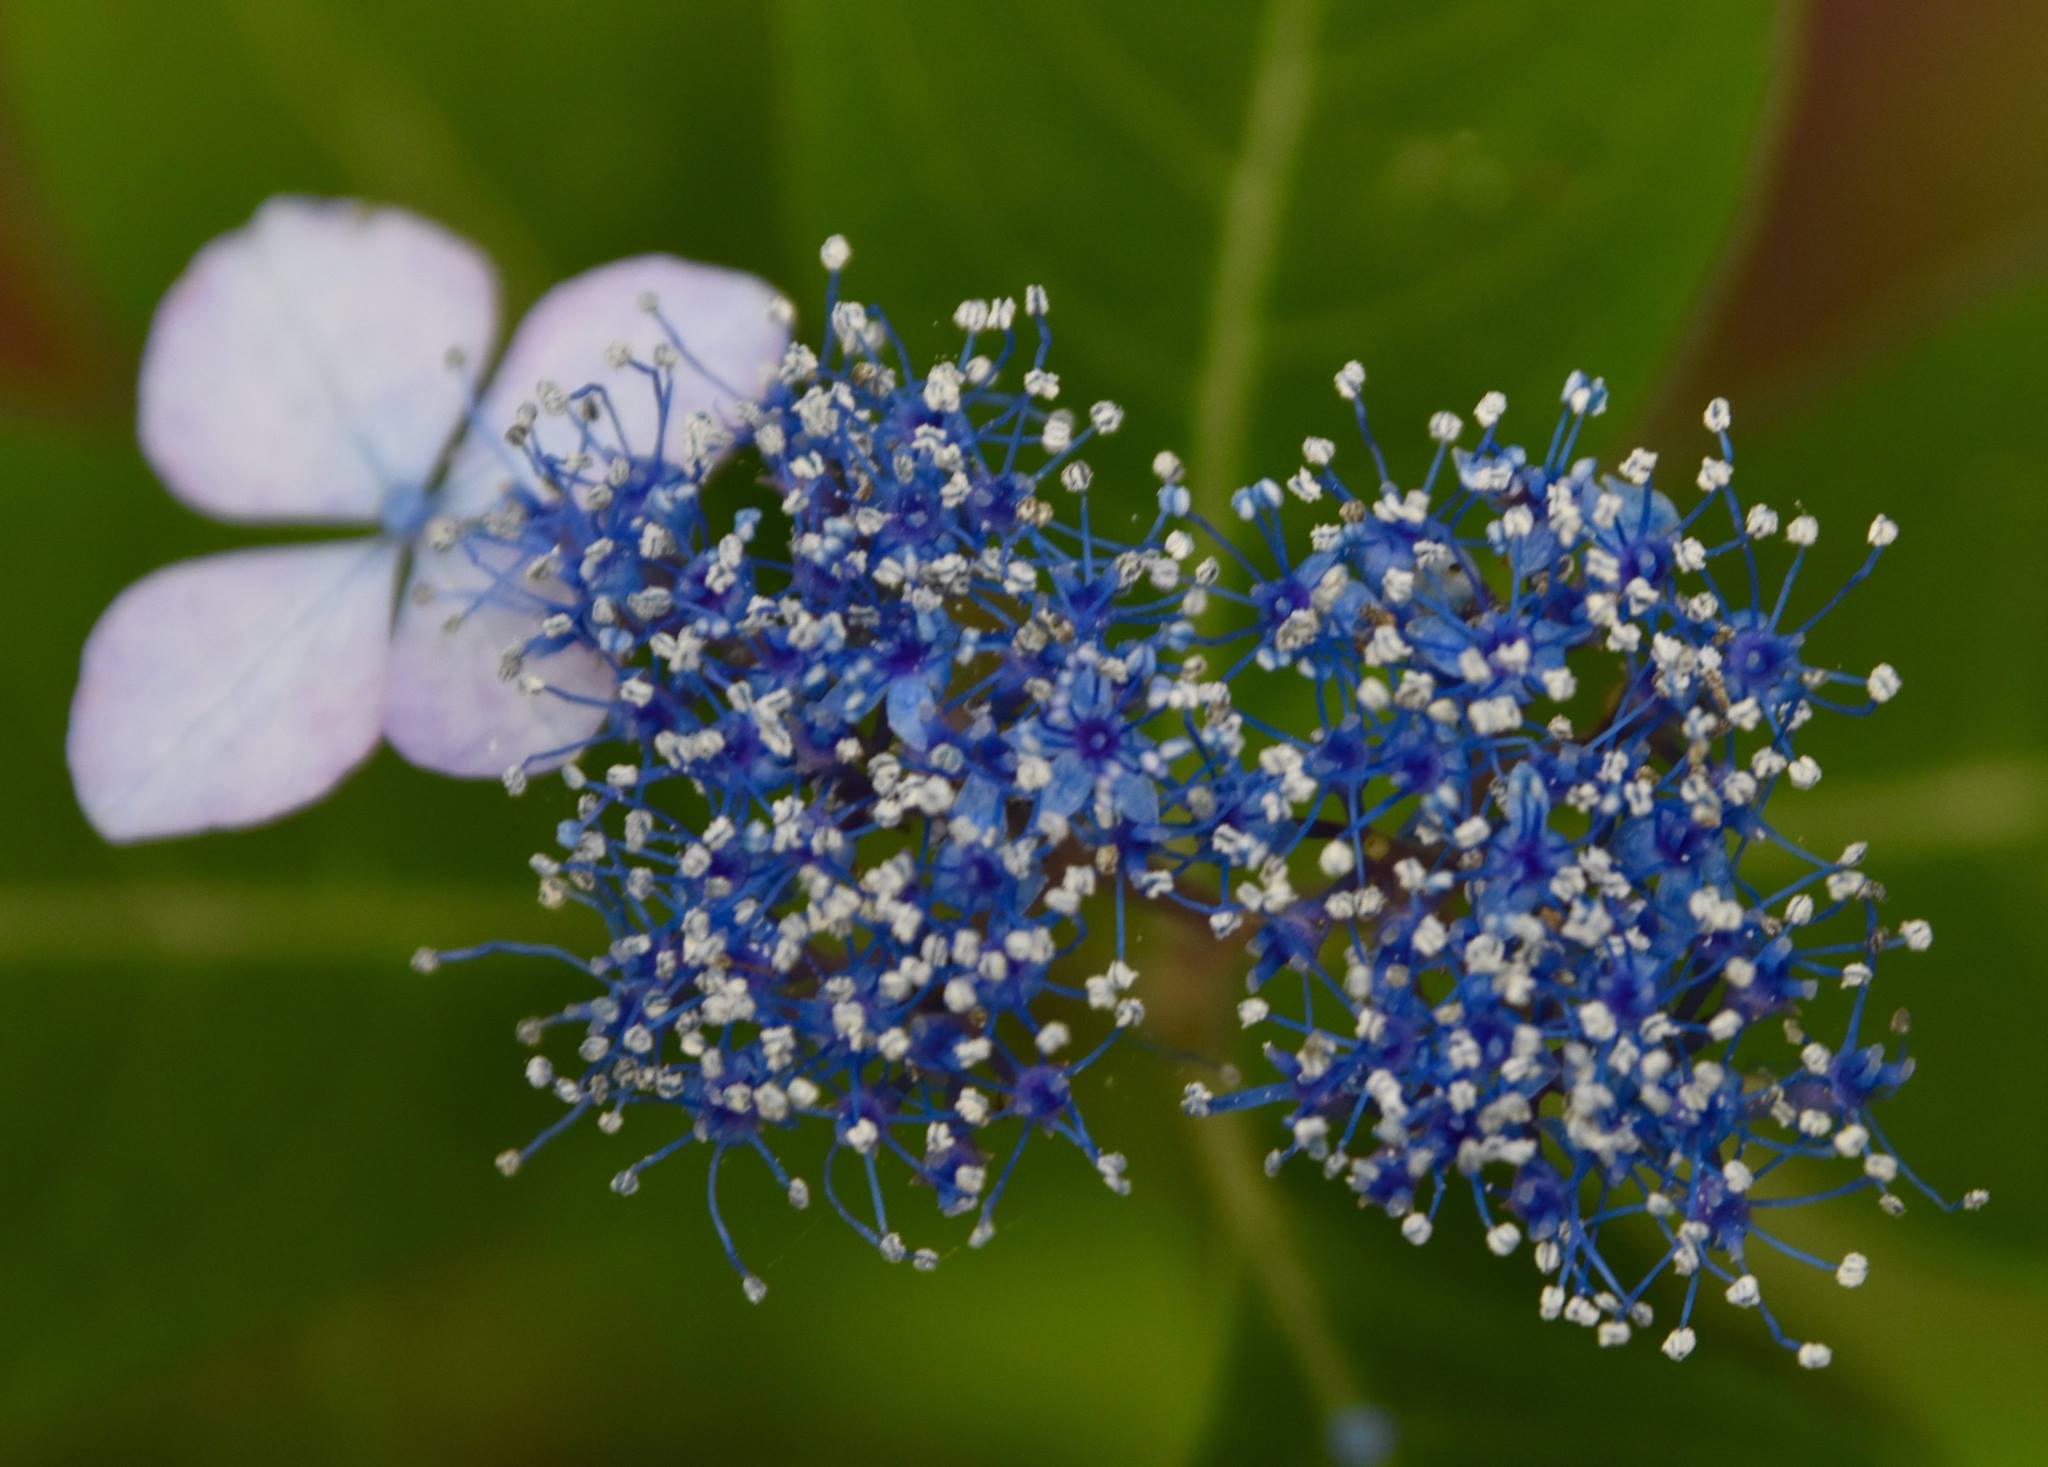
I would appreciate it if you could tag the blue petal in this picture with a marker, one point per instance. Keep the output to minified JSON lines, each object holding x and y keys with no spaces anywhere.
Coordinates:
{"x":1071,"y":783}
{"x":1528,"y":802}
{"x":1137,"y":799}
{"x":910,"y":710}
{"x":978,"y":802}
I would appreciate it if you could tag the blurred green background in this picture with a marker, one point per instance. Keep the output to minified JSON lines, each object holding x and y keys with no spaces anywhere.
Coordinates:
{"x":249,"y":1209}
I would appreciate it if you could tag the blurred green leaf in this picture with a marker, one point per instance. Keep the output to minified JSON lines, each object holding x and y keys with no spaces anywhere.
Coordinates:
{"x":1924,"y":433}
{"x":273,"y":1179}
{"x":1227,"y":204}
{"x":1947,"y":781}
{"x":555,"y":138}
{"x":1450,"y":1342}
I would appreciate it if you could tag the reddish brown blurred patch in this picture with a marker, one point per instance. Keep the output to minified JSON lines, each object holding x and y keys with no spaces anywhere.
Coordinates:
{"x":1911,"y":176}
{"x":52,"y":352}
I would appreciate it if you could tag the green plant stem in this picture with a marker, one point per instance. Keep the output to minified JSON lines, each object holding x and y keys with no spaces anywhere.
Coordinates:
{"x":1276,"y":121}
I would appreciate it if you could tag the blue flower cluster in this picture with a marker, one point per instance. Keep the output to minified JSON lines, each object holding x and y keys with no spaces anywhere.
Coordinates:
{"x":1525,"y":929}
{"x":1517,"y":920}
{"x":880,"y":775}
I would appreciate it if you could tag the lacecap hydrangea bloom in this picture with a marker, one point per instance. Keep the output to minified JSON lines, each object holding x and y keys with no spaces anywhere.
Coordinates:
{"x":1531,"y":940}
{"x":876,"y":739}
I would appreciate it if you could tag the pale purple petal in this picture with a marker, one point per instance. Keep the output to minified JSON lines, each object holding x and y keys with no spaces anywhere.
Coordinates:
{"x":224,"y":691}
{"x":298,"y":370}
{"x":731,"y":330}
{"x":448,"y":707}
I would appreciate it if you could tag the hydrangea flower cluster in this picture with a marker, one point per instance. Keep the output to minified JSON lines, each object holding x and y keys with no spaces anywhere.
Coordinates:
{"x":882,"y":770}
{"x":887,"y":780}
{"x":1526,"y":928}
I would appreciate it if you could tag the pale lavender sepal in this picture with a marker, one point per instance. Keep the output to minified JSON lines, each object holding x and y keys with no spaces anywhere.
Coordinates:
{"x":450,"y":705}
{"x":298,"y":370}
{"x":225,"y":691}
